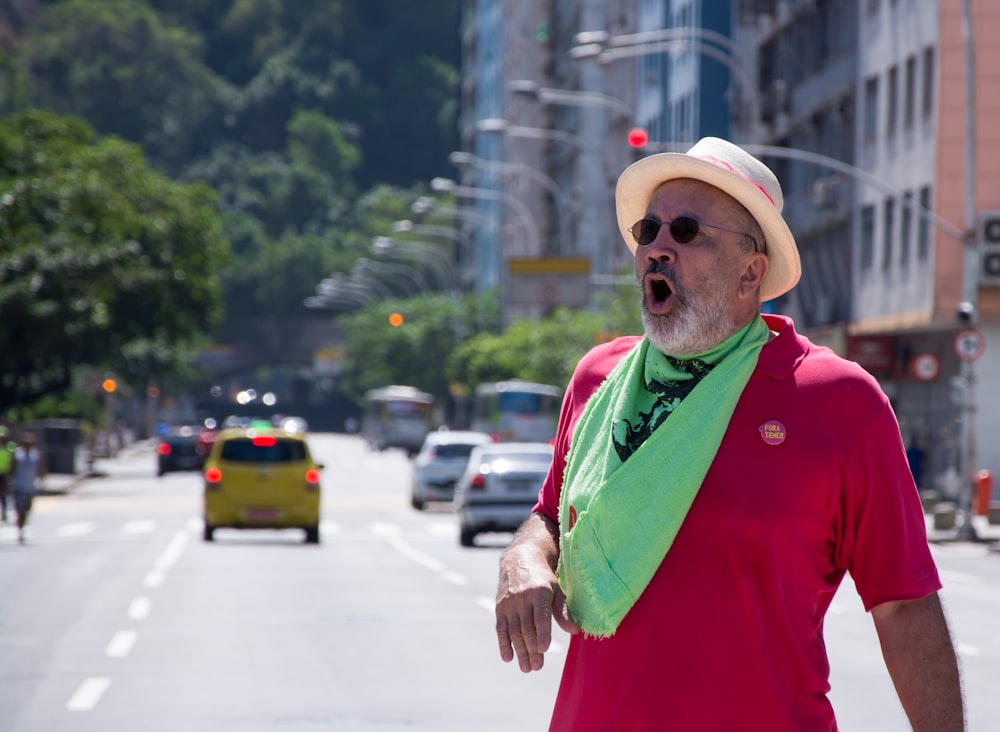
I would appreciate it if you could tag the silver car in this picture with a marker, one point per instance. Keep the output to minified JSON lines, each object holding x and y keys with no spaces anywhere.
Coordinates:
{"x":440,"y":463}
{"x":500,"y":487}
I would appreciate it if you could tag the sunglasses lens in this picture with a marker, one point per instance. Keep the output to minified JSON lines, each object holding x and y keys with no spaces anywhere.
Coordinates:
{"x":684,"y":229}
{"x":644,"y":231}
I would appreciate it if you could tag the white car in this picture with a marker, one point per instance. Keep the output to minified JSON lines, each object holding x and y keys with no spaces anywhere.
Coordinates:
{"x":440,"y":462}
{"x":500,"y":487}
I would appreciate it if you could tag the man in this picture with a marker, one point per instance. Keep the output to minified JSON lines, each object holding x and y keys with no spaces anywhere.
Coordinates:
{"x":712,"y":485}
{"x":29,"y":469}
{"x":7,"y":448}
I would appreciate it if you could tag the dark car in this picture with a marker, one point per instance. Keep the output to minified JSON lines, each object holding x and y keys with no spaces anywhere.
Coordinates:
{"x":180,"y":449}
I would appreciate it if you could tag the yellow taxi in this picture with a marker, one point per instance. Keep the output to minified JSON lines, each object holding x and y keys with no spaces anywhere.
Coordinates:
{"x":262,"y":477}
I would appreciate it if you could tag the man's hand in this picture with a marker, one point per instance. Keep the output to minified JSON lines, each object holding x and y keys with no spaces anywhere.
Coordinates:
{"x":529,"y":595}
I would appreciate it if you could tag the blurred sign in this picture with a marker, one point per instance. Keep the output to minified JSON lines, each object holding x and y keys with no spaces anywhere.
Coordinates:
{"x":926,"y":367}
{"x":969,"y":344}
{"x":876,"y":354}
{"x":549,"y":282}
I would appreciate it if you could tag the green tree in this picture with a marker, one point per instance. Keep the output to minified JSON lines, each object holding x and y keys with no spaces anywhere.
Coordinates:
{"x":116,"y":64}
{"x":103,"y":261}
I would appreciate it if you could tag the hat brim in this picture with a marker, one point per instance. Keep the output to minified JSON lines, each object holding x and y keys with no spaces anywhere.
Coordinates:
{"x":640,"y":180}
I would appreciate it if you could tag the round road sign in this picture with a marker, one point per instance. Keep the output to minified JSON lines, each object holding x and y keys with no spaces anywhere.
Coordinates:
{"x":926,"y":367}
{"x":969,"y":344}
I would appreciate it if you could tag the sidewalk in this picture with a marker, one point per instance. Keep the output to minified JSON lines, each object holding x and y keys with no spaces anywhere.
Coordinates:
{"x":61,"y":483}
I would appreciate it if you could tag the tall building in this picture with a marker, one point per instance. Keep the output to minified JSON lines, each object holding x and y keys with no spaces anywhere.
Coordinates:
{"x":880,"y":87}
{"x":861,"y":107}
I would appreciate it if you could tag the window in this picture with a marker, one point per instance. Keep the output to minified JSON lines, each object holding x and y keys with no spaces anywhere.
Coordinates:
{"x":889,"y":222}
{"x":871,"y":108}
{"x":867,"y":237}
{"x":923,"y":227}
{"x":928,"y":90}
{"x":892,"y":111}
{"x":905,"y":228}
{"x":910,"y":92}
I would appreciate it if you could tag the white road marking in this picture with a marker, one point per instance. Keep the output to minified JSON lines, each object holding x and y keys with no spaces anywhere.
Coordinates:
{"x":419,"y":557}
{"x":166,"y":560}
{"x":442,"y":528}
{"x":139,"y":608}
{"x":141,"y":526}
{"x":455,"y":578}
{"x":487,"y":603}
{"x":121,"y":644}
{"x":172,"y":552}
{"x":964,"y":649}
{"x":77,"y":529}
{"x":90,"y":692}
{"x":383,"y":528}
{"x":329,"y":527}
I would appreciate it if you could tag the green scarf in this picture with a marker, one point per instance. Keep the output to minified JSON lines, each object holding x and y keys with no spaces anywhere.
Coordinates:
{"x":630,"y":479}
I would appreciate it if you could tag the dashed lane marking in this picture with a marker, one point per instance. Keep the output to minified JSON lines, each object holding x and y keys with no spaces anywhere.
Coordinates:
{"x":88,"y":694}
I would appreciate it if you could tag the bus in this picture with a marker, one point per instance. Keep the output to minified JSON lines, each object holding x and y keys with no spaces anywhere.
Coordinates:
{"x":522,"y":411}
{"x":397,"y":416}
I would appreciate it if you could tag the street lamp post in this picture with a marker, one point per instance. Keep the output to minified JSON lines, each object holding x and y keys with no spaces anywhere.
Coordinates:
{"x":528,"y":223}
{"x":497,"y":124}
{"x":558,"y":195}
{"x":419,"y":252}
{"x":606,"y":48}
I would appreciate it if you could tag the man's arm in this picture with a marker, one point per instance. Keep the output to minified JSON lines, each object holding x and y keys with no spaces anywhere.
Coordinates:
{"x":919,"y":654}
{"x":528,"y":594}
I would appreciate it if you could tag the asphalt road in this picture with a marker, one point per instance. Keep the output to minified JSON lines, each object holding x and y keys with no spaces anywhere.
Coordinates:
{"x":117,"y":616}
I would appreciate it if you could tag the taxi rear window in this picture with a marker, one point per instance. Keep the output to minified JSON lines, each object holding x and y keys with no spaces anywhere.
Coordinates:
{"x":243,"y":450}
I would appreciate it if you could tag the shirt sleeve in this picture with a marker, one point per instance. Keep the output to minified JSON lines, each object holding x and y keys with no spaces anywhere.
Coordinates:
{"x":884,"y":538}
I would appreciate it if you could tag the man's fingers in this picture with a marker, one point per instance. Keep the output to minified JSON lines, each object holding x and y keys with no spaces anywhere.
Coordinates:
{"x":526,"y":635}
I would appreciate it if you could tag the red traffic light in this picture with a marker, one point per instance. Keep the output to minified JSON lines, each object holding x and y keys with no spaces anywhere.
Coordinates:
{"x":638,"y":137}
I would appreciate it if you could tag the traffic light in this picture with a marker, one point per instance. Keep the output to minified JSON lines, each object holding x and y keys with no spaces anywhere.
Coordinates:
{"x":109,"y":385}
{"x":395,"y":319}
{"x":989,"y":248}
{"x":638,"y":137}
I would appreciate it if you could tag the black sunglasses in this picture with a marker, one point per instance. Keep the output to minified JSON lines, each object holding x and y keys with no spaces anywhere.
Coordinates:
{"x":683,"y":229}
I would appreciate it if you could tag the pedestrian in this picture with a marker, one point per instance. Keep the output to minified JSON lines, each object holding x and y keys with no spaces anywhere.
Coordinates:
{"x":7,"y":448}
{"x":713,"y":483}
{"x":29,"y":470}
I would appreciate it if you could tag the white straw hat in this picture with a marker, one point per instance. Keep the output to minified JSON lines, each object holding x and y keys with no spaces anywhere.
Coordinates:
{"x":732,"y":169}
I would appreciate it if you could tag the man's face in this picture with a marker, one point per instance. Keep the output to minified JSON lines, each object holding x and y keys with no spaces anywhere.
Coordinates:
{"x":695,"y":294}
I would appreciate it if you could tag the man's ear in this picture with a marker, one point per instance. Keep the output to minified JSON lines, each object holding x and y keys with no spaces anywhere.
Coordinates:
{"x":753,"y":274}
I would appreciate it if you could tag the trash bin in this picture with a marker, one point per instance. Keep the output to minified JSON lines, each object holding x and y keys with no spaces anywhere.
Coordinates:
{"x":58,"y":439}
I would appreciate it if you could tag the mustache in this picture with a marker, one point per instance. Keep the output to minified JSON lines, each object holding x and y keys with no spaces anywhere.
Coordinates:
{"x":659,"y":267}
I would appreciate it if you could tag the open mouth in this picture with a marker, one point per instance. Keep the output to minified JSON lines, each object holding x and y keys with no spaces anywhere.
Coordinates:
{"x":658,"y":293}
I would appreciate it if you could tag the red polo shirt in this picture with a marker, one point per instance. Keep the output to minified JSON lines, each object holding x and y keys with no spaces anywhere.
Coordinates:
{"x":810,"y":482}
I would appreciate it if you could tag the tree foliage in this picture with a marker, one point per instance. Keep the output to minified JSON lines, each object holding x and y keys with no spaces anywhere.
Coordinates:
{"x":104,"y":260}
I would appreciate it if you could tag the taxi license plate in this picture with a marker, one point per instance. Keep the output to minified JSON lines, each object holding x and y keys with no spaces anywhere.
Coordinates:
{"x":262,"y":514}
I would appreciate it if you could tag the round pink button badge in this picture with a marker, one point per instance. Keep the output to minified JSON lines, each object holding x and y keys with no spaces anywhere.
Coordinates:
{"x":773,"y":432}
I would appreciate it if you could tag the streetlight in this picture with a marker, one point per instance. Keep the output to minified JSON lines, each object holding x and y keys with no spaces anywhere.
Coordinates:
{"x":421,"y":252}
{"x":558,"y":195}
{"x":497,"y":124}
{"x":369,"y":268}
{"x":568,"y":97}
{"x":606,"y":48}
{"x":530,"y":226}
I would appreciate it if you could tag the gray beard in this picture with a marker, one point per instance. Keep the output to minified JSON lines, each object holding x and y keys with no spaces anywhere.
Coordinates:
{"x":696,"y":325}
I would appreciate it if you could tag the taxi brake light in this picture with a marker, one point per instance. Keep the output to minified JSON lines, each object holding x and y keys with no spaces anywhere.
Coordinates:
{"x":264,"y":441}
{"x":213,"y":477}
{"x":312,"y":479}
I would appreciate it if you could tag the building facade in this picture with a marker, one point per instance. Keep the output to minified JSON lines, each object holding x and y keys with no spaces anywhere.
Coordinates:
{"x":886,"y":157}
